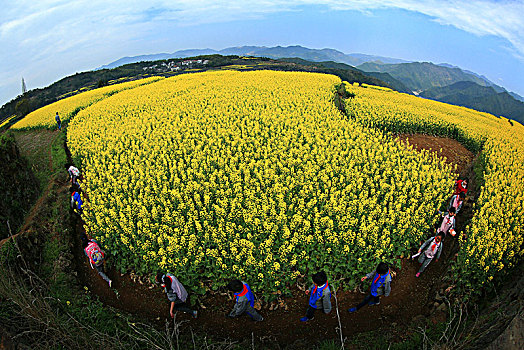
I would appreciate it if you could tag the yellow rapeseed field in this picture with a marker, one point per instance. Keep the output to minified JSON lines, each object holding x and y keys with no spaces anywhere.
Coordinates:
{"x":45,"y":116}
{"x":255,"y":175}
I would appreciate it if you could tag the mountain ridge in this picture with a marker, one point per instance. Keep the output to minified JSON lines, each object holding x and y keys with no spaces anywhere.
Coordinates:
{"x":317,"y":55}
{"x":481,"y":98}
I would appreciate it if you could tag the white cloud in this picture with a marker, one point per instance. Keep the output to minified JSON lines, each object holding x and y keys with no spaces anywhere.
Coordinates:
{"x":481,"y":17}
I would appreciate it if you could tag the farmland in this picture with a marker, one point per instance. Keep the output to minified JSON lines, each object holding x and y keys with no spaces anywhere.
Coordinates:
{"x":266,"y":185}
{"x":260,"y":175}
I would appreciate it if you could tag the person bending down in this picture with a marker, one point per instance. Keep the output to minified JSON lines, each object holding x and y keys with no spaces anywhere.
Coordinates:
{"x":176,"y":293}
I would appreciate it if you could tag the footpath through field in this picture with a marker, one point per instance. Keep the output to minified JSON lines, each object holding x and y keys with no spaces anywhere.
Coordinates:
{"x":410,"y":299}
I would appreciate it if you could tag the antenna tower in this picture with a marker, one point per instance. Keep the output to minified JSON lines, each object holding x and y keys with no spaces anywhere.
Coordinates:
{"x":24,"y":88}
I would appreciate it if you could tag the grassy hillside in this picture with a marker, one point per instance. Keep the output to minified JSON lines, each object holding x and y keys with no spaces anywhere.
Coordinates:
{"x":419,"y":76}
{"x":351,"y":74}
{"x":481,"y":98}
{"x":18,"y":186}
{"x":452,"y":85}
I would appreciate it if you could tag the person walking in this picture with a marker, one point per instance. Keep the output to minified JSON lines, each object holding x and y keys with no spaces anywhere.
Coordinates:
{"x":461,"y":186}
{"x":176,"y":293}
{"x":58,"y":121}
{"x":96,"y":257}
{"x":73,"y":172}
{"x":429,"y":250}
{"x":456,"y":202}
{"x":76,"y":199}
{"x":448,"y":223}
{"x":245,"y":300}
{"x":380,"y":285}
{"x":319,"y":296}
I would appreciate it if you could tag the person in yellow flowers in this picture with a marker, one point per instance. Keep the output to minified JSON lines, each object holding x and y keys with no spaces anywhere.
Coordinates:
{"x":380,"y":285}
{"x":319,"y":296}
{"x":176,"y":293}
{"x":58,"y":121}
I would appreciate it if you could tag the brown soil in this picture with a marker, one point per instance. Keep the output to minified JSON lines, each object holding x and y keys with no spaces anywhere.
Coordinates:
{"x":410,"y":297}
{"x":451,"y":150}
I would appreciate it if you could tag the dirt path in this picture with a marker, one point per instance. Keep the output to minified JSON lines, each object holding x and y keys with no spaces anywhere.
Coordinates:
{"x":410,"y":297}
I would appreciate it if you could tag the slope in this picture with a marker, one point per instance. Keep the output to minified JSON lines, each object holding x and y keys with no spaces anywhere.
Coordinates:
{"x":481,"y":98}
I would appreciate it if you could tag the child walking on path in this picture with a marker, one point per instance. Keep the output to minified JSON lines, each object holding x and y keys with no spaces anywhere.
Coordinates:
{"x":456,"y":202}
{"x":461,"y":186}
{"x":73,"y":172}
{"x":319,"y":296}
{"x":429,"y":250}
{"x":380,"y":285}
{"x":176,"y":293}
{"x":76,"y":199}
{"x":58,"y":121}
{"x":448,"y":223}
{"x":245,"y":300}
{"x":96,"y":257}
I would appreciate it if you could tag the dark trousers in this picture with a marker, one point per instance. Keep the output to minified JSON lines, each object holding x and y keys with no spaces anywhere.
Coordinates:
{"x":183,"y":307}
{"x":310,"y":312}
{"x":367,"y":299}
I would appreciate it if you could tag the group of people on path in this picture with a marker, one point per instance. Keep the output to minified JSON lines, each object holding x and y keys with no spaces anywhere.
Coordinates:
{"x":319,"y":292}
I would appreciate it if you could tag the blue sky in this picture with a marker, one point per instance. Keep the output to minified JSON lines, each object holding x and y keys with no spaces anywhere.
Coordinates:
{"x":46,"y":40}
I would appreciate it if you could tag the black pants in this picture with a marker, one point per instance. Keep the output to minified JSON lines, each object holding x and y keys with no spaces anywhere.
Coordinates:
{"x":310,"y":312}
{"x":183,"y":307}
{"x":367,"y":299}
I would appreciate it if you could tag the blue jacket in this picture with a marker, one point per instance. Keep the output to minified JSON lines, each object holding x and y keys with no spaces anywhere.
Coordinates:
{"x":380,"y":281}
{"x":246,"y":292}
{"x":320,"y":297}
{"x":77,"y":199}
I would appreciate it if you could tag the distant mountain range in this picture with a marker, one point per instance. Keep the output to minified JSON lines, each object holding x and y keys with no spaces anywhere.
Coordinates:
{"x":315,"y":55}
{"x":453,"y":85}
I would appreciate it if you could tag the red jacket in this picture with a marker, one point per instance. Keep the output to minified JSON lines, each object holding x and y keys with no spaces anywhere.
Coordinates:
{"x":460,"y":187}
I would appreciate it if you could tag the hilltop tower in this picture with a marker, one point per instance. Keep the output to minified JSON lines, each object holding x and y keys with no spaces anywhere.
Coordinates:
{"x":24,"y":88}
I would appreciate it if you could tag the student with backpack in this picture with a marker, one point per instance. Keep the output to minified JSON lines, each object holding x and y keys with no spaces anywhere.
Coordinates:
{"x":319,"y":296}
{"x":76,"y":199}
{"x":96,"y":257}
{"x":176,"y":293}
{"x":245,"y":300}
{"x":380,"y":285}
{"x":429,"y":250}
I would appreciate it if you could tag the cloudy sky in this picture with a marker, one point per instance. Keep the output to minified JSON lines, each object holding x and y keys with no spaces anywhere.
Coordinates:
{"x":46,"y":40}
